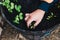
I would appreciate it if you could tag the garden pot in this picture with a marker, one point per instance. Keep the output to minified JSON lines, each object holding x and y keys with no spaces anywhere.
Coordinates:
{"x":44,"y":28}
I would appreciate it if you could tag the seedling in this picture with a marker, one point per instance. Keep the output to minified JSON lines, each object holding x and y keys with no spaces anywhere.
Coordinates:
{"x":16,"y":20}
{"x":59,"y":5}
{"x":18,"y":7}
{"x":21,"y":16}
{"x":51,"y":16}
{"x":32,"y":25}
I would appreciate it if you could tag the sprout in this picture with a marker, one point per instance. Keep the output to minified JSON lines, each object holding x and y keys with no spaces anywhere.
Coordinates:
{"x":4,"y":3}
{"x":7,"y":5}
{"x":32,"y":25}
{"x":18,"y":8}
{"x":10,"y":10}
{"x":47,"y":18}
{"x":58,"y":5}
{"x":51,"y":16}
{"x":7,"y":1}
{"x":21,"y":16}
{"x":16,"y":19}
{"x":52,"y":13}
{"x":12,"y":5}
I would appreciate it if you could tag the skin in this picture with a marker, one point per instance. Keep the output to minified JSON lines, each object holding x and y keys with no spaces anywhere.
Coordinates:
{"x":48,"y":1}
{"x":36,"y":16}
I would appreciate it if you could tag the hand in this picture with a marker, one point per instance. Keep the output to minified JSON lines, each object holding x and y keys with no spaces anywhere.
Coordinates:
{"x":36,"y":16}
{"x":48,"y":1}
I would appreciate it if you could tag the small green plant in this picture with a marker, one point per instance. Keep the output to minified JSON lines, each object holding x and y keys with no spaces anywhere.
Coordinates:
{"x":21,"y":16}
{"x":32,"y":25}
{"x":51,"y":16}
{"x":58,"y":5}
{"x":18,"y":7}
{"x":10,"y":6}
{"x":18,"y":18}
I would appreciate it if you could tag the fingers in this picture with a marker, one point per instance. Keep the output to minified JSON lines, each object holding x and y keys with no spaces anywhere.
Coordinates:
{"x":27,"y":16}
{"x":29,"y":21}
{"x":36,"y":24}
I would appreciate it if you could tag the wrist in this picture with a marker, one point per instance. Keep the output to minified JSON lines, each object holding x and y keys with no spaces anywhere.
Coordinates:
{"x":44,"y":6}
{"x":40,"y":10}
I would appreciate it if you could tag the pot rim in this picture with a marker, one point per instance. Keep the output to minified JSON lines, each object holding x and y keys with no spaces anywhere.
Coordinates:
{"x":42,"y":33}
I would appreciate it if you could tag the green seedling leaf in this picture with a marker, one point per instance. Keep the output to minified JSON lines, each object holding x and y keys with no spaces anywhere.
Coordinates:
{"x":21,"y":16}
{"x":58,"y":5}
{"x":10,"y":10}
{"x":8,"y":6}
{"x":7,"y":1}
{"x":16,"y":20}
{"x":18,"y":8}
{"x":4,"y":3}
{"x":12,"y":5}
{"x":47,"y":18}
{"x":52,"y":14}
{"x":32,"y":25}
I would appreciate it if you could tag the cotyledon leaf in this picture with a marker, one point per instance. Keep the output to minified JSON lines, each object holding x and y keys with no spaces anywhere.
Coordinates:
{"x":16,"y":19}
{"x":18,"y":7}
{"x":21,"y":16}
{"x":12,"y":5}
{"x":52,"y":14}
{"x":7,"y":1}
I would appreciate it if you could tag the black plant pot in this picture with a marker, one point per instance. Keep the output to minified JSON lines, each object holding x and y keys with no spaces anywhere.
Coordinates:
{"x":45,"y":27}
